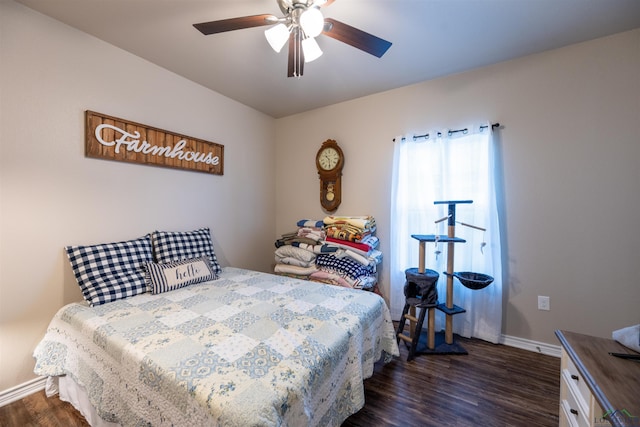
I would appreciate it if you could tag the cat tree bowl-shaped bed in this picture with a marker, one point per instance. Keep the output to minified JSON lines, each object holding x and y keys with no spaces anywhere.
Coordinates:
{"x":473,"y":281}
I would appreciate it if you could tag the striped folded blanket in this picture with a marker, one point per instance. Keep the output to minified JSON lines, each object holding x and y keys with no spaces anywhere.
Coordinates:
{"x":310,"y":223}
{"x":365,"y":223}
{"x":361,"y":248}
{"x":316,"y":234}
{"x":316,"y":249}
{"x":346,"y":232}
{"x":291,"y":238}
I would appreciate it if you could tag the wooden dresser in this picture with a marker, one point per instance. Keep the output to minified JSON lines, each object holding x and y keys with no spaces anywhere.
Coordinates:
{"x":597,"y":389}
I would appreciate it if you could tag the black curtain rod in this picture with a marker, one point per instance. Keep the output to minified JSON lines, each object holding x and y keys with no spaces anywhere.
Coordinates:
{"x":451,"y":132}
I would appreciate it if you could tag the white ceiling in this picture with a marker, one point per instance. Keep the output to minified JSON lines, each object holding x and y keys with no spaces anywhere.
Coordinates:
{"x":431,"y":38}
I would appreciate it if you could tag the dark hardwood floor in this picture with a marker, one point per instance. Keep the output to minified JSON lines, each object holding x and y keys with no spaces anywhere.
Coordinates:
{"x":36,"y":410}
{"x":494,"y":385}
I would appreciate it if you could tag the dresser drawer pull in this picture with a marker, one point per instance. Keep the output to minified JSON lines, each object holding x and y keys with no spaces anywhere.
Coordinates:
{"x":575,"y":377}
{"x":573,"y":411}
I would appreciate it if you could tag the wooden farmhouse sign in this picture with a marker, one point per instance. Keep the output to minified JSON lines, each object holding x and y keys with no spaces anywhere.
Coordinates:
{"x":117,"y":139}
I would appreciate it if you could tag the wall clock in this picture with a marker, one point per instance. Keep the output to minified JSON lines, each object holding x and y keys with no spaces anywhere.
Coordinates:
{"x":329,"y":162}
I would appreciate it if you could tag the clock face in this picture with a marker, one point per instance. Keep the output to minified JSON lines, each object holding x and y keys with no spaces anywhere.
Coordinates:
{"x":328,"y":158}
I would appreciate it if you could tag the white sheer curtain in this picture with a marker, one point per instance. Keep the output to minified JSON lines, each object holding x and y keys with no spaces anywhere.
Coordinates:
{"x":449,"y":166}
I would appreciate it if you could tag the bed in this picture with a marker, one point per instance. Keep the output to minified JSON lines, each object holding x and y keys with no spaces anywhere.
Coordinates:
{"x":244,"y":349}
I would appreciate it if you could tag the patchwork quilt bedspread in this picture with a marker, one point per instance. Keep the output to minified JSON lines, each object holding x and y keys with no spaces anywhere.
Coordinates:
{"x":248,"y":349}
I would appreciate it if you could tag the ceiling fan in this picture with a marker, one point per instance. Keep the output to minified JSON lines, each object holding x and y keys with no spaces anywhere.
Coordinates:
{"x":301,"y":24}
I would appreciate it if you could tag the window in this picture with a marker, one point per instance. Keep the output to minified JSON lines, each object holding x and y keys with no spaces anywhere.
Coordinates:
{"x":457,"y":165}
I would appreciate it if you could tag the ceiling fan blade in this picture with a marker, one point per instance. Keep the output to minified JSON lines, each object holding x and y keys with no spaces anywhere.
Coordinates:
{"x":231,"y":24}
{"x":295,"y":67}
{"x":327,"y":3}
{"x":355,"y":37}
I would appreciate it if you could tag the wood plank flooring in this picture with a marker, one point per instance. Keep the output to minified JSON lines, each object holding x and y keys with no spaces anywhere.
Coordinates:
{"x":36,"y":410}
{"x":494,"y":385}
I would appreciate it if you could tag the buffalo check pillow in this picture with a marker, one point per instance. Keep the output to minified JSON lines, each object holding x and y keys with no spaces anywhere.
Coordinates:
{"x":171,"y":246}
{"x":174,"y":275}
{"x":111,"y":271}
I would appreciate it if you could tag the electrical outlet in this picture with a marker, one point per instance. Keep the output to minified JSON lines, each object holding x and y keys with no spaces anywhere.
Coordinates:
{"x":543,"y":303}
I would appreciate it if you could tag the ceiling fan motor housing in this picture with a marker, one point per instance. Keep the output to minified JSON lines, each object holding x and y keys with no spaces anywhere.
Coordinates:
{"x":287,"y":6}
{"x":301,"y":33}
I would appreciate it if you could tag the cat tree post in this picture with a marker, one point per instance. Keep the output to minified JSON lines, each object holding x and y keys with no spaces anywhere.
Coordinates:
{"x":437,"y":343}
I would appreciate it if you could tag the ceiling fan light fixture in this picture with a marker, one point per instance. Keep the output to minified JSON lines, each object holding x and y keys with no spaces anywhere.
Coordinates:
{"x":301,"y":22}
{"x":277,"y":36}
{"x":312,"y":22}
{"x":311,"y":49}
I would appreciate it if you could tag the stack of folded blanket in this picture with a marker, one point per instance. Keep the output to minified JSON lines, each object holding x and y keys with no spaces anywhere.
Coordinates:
{"x":339,"y":250}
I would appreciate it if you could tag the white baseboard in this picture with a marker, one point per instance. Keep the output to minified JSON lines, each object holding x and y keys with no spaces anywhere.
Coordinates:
{"x":23,"y":390}
{"x":37,"y":384}
{"x":535,"y":346}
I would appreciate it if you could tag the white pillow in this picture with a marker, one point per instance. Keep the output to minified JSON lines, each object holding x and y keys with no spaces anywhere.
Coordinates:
{"x":628,"y":337}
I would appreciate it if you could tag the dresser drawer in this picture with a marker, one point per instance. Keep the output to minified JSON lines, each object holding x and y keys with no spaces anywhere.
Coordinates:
{"x":572,"y":411}
{"x":575,"y":380}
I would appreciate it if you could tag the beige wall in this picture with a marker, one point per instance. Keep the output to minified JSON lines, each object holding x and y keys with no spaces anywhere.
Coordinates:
{"x":570,"y":151}
{"x":52,"y":196}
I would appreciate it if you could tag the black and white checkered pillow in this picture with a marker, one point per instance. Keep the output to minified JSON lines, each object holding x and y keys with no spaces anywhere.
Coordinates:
{"x":170,"y":246}
{"x":111,"y":271}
